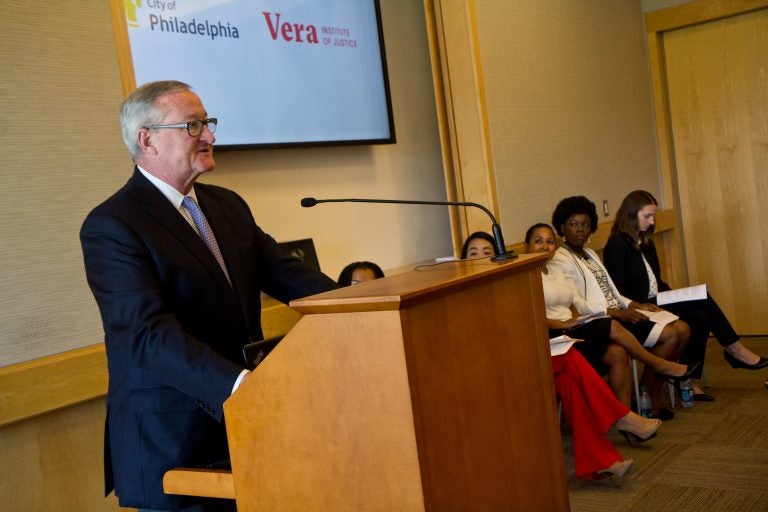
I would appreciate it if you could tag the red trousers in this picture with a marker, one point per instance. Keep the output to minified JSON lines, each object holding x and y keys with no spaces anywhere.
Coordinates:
{"x":590,"y":409}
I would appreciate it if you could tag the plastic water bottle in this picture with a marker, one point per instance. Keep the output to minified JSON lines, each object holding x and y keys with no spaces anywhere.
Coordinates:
{"x":646,"y":406}
{"x":686,"y":393}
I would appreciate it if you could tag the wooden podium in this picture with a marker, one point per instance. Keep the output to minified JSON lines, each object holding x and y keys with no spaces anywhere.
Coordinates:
{"x":428,"y":390}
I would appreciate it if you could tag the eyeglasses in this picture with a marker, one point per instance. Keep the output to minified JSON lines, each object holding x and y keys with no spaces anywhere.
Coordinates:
{"x":194,"y":128}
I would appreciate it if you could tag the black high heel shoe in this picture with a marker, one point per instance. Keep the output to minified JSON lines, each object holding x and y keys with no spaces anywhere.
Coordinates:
{"x":664,"y":414}
{"x":737,"y":363}
{"x":690,"y":369}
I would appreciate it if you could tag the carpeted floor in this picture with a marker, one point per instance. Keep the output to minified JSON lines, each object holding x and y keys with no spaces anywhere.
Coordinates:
{"x":711,"y":457}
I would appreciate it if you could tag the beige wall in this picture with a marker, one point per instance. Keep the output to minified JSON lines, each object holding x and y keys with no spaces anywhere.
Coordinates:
{"x":569,"y":104}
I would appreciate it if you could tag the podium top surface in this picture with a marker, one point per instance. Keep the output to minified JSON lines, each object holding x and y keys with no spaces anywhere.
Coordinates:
{"x":399,"y":290}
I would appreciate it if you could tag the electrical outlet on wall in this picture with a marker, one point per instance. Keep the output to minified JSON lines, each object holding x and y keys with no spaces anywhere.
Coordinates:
{"x":605,"y":208}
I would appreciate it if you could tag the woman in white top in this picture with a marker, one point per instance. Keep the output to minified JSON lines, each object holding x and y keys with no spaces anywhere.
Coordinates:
{"x":575,"y":219}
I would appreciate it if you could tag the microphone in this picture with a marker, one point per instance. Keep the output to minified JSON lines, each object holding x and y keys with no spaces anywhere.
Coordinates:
{"x":501,"y":250}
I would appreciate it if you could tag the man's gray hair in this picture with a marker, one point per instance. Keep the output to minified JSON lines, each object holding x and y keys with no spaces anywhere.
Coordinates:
{"x":140,"y":109}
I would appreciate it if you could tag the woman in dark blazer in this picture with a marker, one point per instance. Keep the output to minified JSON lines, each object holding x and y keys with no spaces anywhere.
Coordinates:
{"x":631,"y":259}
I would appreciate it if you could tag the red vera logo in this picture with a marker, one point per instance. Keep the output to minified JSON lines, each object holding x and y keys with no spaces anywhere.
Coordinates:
{"x":290,"y":32}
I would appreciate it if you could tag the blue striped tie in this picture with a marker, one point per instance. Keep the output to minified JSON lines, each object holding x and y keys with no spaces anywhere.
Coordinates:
{"x":205,"y":232}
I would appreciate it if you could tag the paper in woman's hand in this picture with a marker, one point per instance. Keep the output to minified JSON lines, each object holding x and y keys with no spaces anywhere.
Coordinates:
{"x":660,"y":317}
{"x":698,"y":292}
{"x":562,"y":344}
{"x":585,"y":319}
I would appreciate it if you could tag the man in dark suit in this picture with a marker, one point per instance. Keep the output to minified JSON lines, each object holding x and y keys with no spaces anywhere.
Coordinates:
{"x":177,"y":282}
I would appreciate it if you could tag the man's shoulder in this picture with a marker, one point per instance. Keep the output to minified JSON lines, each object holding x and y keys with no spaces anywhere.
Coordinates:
{"x":216,"y":191}
{"x":221,"y":199}
{"x":210,"y":188}
{"x":124,"y":198}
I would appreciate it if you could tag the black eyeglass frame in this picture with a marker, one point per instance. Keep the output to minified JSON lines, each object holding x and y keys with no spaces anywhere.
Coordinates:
{"x":194,"y":127}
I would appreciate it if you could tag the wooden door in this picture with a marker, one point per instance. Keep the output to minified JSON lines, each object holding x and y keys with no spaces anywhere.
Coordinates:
{"x":717,"y":86}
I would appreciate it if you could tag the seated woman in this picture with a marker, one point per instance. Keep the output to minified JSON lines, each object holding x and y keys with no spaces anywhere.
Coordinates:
{"x":589,"y":406}
{"x":358,"y":272}
{"x":575,"y":219}
{"x":631,"y":259}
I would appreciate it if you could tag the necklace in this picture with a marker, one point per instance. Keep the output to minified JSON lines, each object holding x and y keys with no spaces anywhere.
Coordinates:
{"x":580,"y":252}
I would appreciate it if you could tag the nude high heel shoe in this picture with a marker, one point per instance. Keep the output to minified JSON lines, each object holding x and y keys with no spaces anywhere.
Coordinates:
{"x":618,"y":471}
{"x":634,"y":437}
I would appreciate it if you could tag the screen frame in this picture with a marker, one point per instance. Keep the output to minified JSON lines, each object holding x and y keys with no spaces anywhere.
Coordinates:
{"x":128,"y":82}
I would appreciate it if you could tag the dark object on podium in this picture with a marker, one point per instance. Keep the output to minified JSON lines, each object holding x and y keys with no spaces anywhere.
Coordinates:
{"x":255,"y":352}
{"x":303,"y":249}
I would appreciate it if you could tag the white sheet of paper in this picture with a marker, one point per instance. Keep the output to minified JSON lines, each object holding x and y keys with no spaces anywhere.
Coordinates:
{"x":660,"y":317}
{"x":583,"y":319}
{"x":697,"y":292}
{"x":560,"y":345}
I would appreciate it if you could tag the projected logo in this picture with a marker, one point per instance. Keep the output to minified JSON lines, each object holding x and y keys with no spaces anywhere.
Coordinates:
{"x":166,"y":21}
{"x":294,"y":32}
{"x":130,"y":12}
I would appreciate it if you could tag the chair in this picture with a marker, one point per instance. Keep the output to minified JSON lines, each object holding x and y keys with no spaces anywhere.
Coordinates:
{"x":636,"y":384}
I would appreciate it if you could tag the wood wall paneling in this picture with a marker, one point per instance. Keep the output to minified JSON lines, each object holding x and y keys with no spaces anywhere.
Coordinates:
{"x":453,"y":39}
{"x":54,"y":462}
{"x":49,"y":383}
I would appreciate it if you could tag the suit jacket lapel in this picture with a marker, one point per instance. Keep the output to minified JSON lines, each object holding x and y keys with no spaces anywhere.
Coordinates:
{"x":160,"y":209}
{"x":212,"y":208}
{"x":229,"y":242}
